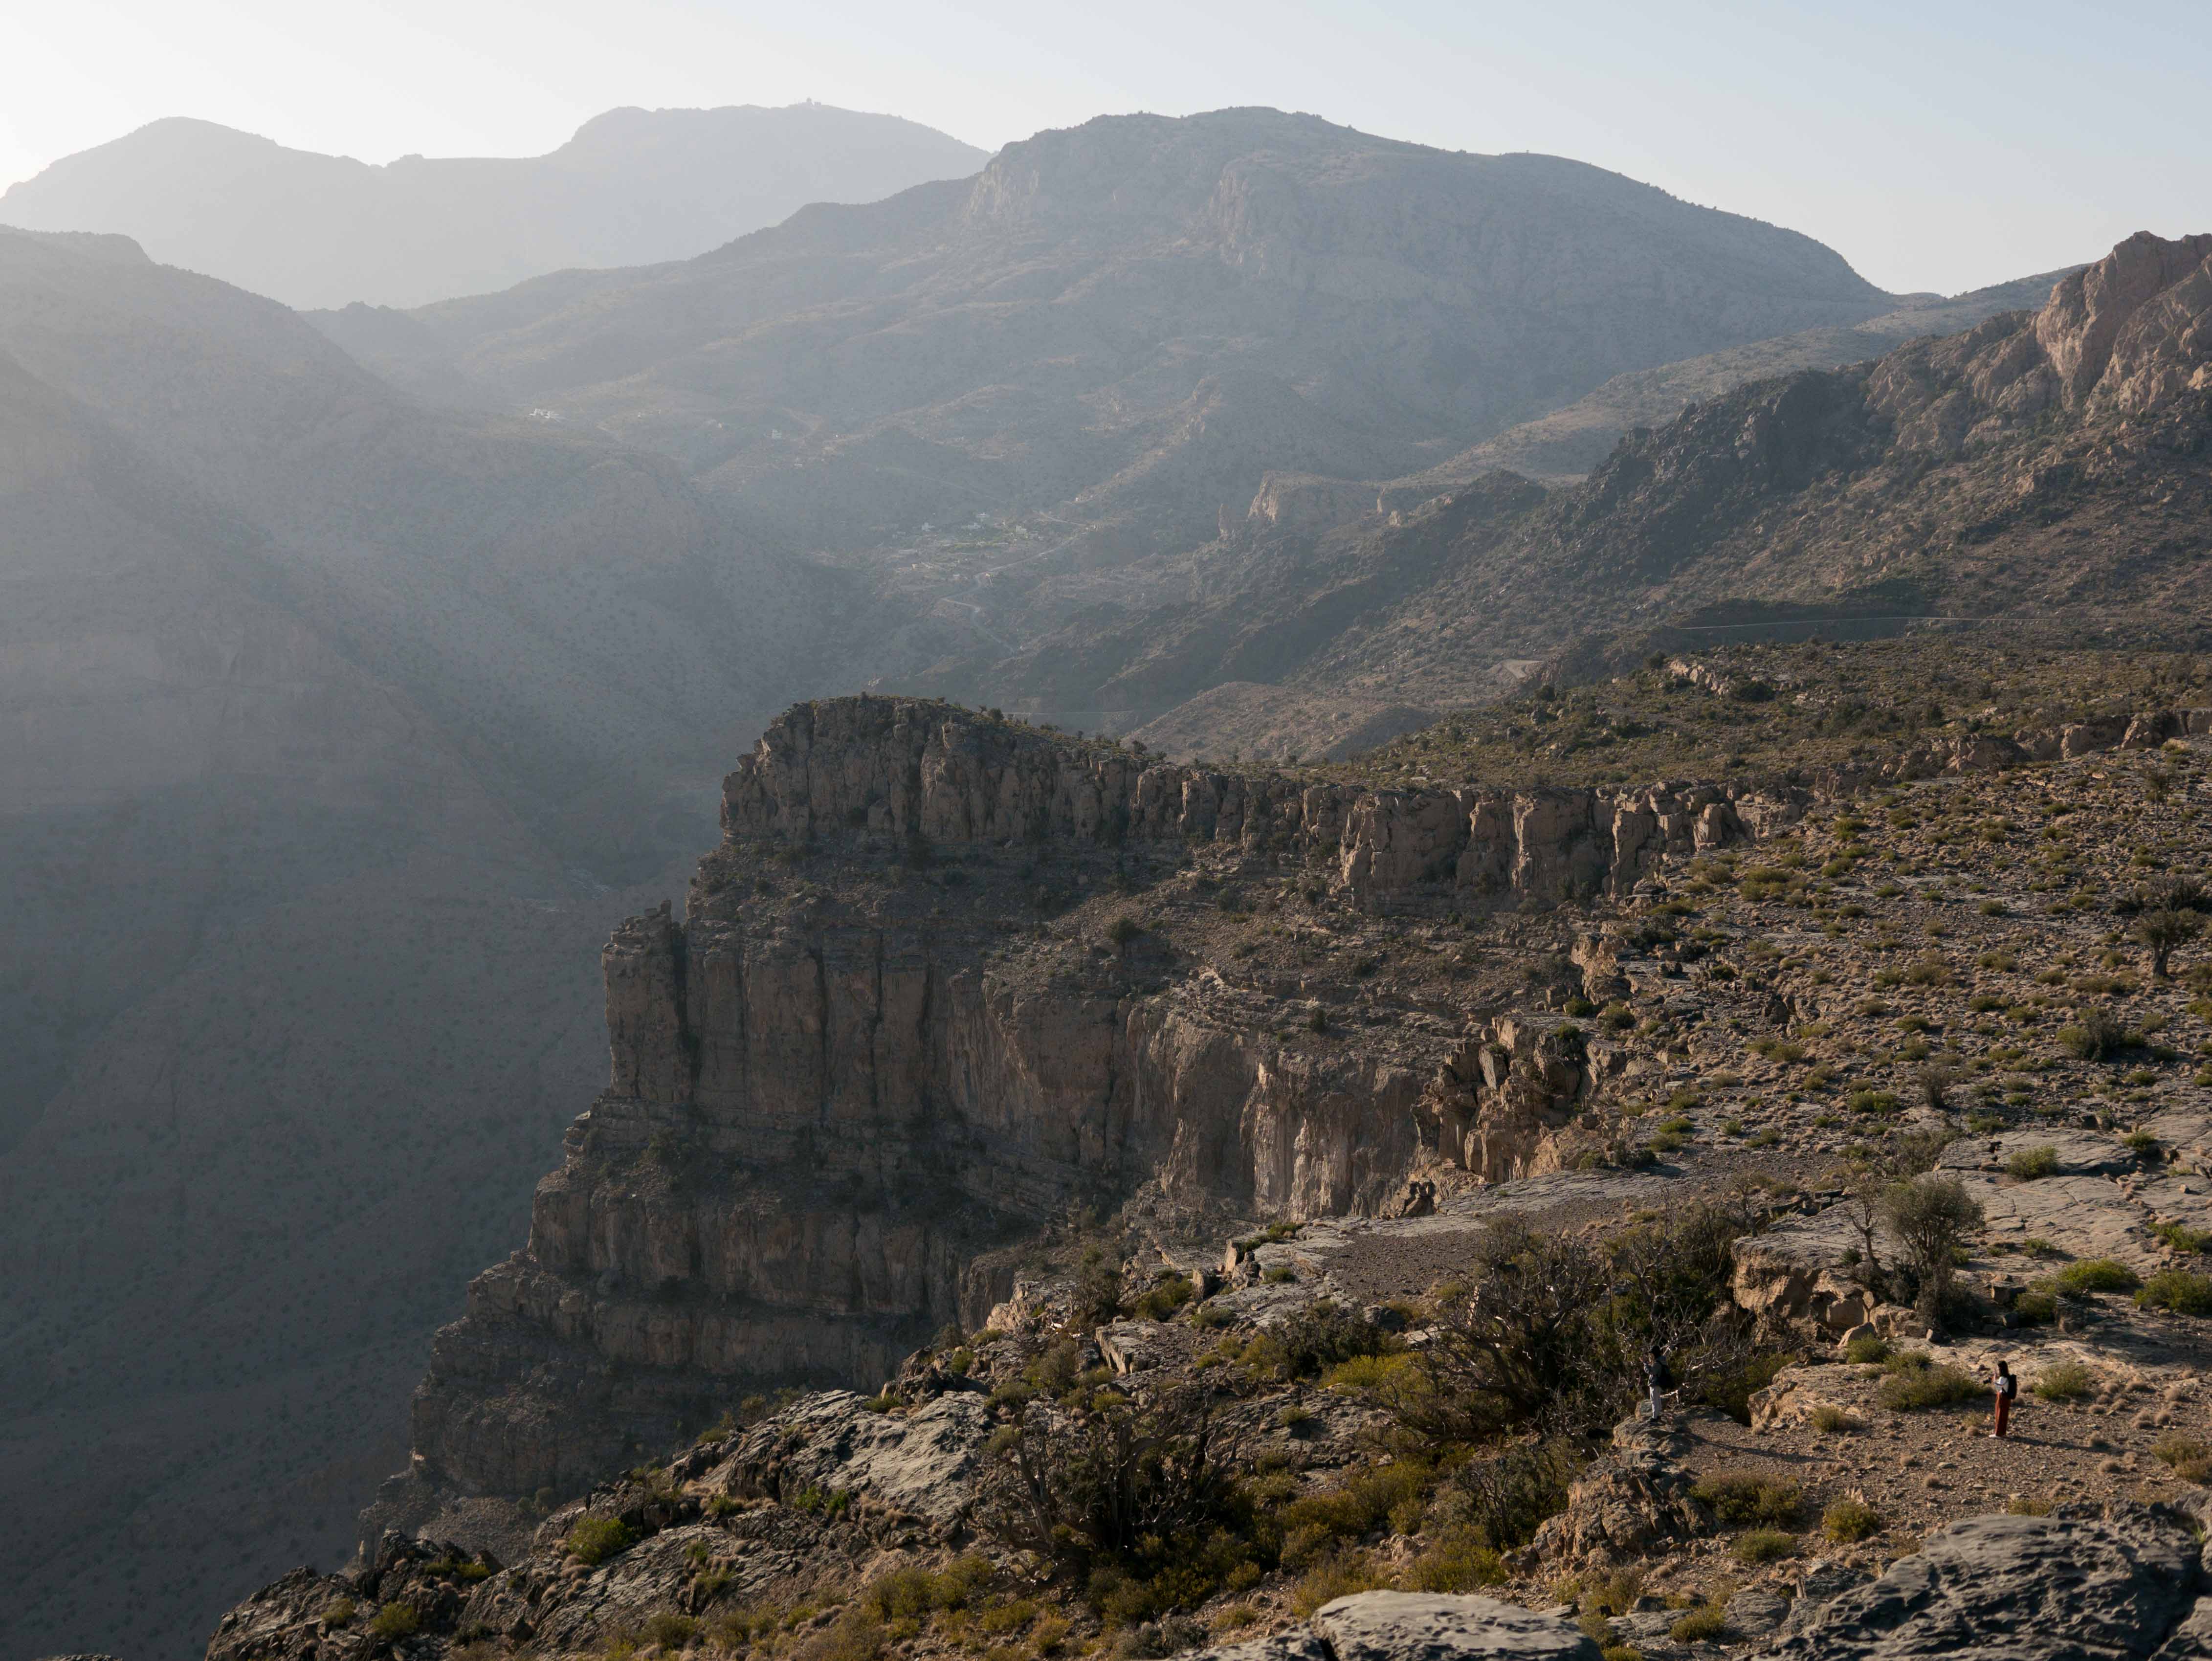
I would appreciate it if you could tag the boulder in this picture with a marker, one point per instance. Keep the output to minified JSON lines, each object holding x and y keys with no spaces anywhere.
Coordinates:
{"x":923,"y":1462}
{"x":1627,"y":1504}
{"x":1407,"y":1625}
{"x":2020,"y":1588}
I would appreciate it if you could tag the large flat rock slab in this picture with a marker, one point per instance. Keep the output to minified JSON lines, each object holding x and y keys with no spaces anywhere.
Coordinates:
{"x":2019,"y":1589}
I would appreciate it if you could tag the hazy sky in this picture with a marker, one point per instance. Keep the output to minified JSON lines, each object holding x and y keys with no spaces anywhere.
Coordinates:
{"x":1936,"y":145}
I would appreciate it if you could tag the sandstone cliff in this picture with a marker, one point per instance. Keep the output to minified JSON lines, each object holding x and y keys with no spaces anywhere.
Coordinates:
{"x":947,"y":975}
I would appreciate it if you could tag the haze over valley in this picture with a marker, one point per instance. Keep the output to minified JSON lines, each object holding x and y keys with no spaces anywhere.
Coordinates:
{"x":1161,"y":666}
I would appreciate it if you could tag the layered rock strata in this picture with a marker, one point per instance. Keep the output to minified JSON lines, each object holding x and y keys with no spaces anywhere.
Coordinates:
{"x":877,"y":1046}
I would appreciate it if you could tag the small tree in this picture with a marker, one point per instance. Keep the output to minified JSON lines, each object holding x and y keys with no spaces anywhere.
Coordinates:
{"x":2163,"y":929}
{"x":1867,"y":1187}
{"x":1133,"y":1485}
{"x":1936,"y":1080}
{"x":1929,"y":1216}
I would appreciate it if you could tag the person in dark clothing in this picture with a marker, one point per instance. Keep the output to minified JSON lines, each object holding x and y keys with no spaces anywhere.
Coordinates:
{"x":2006,"y":1387}
{"x":1658,"y":1377}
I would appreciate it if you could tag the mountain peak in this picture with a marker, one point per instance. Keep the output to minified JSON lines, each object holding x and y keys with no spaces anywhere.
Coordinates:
{"x":633,"y":187}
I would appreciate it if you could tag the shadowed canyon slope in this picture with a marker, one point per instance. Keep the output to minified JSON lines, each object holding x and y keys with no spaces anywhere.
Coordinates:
{"x":336,"y":734}
{"x":631,"y":187}
{"x":1115,"y":329}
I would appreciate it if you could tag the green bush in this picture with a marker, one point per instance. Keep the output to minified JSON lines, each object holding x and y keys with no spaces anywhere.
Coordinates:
{"x":907,"y":1594}
{"x":1872,"y":1101}
{"x":1163,"y":1298}
{"x":1700,"y":1626}
{"x":2037,"y":1306}
{"x":670,"y":1630}
{"x":2078,"y":1280}
{"x":338,"y":1612}
{"x":2182,"y":1237}
{"x":1340,"y":1577}
{"x":2064,"y":1381}
{"x":1141,"y":1504}
{"x":595,"y":1539}
{"x":1915,"y":1384}
{"x":1847,"y":1521}
{"x":2189,"y":1458}
{"x":1123,"y":929}
{"x":1831,"y":1421}
{"x":2178,"y":1290}
{"x":1370,"y":1372}
{"x":1764,"y":1546}
{"x":1509,"y":1496}
{"x":396,"y":1621}
{"x":1740,"y":1498}
{"x":1867,"y":1350}
{"x":2031,"y":1162}
{"x":2097,"y":1035}
{"x":1457,"y":1561}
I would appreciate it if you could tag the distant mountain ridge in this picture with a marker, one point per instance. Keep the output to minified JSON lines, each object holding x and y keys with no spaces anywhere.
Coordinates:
{"x":1110,"y":334}
{"x":2045,"y":466}
{"x":632,"y":187}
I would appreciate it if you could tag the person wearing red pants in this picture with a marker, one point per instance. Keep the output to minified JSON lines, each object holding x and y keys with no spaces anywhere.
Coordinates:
{"x":2006,"y":1387}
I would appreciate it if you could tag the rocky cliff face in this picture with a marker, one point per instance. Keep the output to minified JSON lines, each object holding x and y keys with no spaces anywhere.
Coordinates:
{"x":947,"y":975}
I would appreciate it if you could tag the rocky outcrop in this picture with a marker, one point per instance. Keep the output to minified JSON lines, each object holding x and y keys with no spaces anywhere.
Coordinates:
{"x":1631,"y":1502}
{"x":2026,"y":1589}
{"x":831,"y":1093}
{"x":883,"y":773}
{"x":1404,"y":1625}
{"x":1501,"y":1100}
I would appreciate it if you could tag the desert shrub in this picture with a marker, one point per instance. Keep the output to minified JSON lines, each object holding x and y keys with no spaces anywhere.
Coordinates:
{"x":1764,"y":1546}
{"x":1321,"y":1336}
{"x":2182,"y":1237}
{"x":2064,"y":1381}
{"x":909,"y":1593}
{"x":1867,"y":1350}
{"x":1831,"y":1421}
{"x":1508,"y":1496}
{"x":2024,"y":1507}
{"x":1929,"y":1216}
{"x":2187,"y":1457}
{"x":1550,"y":1330}
{"x":1740,"y":1498}
{"x":1849,"y":1520}
{"x":1340,"y":1576}
{"x":1456,"y":1561}
{"x":1369,"y":1372}
{"x":595,"y":1539}
{"x":1702,"y":1625}
{"x":397,"y":1620}
{"x":338,"y":1612}
{"x":2178,"y":1290}
{"x":1133,"y":1498}
{"x":1731,"y":1387}
{"x":2037,"y":1306}
{"x":1368,"y":1497}
{"x":1098,"y":1285}
{"x":2097,"y":1034}
{"x":670,"y":1630}
{"x":1872,"y":1101}
{"x":2078,"y":1280}
{"x":1123,"y":929}
{"x":1163,"y":1297}
{"x":1915,"y":1384}
{"x":2031,"y":1162}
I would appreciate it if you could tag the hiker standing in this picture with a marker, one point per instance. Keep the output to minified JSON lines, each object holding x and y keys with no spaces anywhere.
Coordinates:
{"x":2006,"y":1387}
{"x":1658,"y":1377}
